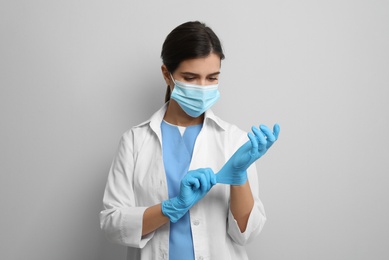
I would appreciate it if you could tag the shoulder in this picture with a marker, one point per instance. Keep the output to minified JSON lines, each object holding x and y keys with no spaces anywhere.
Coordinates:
{"x":136,"y":134}
{"x":147,"y":127}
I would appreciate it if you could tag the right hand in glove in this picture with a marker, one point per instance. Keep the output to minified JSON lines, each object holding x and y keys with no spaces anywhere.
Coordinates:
{"x":194,"y":186}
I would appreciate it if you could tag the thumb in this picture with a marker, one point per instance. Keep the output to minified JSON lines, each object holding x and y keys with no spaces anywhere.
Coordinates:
{"x":192,"y":182}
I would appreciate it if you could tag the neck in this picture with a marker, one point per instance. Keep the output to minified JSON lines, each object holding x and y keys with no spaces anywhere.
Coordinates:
{"x":176,"y":116}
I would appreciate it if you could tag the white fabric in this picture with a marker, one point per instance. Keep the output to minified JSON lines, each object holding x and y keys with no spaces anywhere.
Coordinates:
{"x":137,"y":180}
{"x":180,"y":128}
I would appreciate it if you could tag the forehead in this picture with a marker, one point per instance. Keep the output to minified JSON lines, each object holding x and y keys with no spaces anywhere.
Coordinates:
{"x":202,"y":66}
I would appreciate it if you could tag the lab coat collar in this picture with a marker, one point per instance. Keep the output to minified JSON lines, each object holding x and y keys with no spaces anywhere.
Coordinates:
{"x":155,"y":120}
{"x":209,"y":115}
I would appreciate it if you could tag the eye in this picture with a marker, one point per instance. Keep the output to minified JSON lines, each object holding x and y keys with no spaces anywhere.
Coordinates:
{"x":189,"y":78}
{"x":213,"y":79}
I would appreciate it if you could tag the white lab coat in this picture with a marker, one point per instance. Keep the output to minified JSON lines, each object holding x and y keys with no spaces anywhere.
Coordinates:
{"x":137,"y":180}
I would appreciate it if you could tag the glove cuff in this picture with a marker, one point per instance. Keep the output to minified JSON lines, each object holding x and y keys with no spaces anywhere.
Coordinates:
{"x":232,"y":179}
{"x":172,"y":212}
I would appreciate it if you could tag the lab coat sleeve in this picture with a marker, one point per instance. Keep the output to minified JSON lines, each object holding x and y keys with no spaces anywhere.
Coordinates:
{"x":120,"y":219}
{"x":257,"y":216}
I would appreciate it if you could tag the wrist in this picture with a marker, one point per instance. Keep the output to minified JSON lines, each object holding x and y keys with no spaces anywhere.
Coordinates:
{"x":235,"y":178}
{"x":171,"y":209}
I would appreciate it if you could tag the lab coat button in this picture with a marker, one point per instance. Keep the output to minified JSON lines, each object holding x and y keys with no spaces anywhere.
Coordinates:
{"x":196,"y":222}
{"x":200,"y":258}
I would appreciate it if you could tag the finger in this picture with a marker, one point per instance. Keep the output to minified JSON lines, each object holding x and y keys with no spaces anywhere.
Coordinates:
{"x":195,"y":173}
{"x":204,"y":184}
{"x":260,"y":136}
{"x":207,"y":177}
{"x":213,"y":179}
{"x":200,"y":175}
{"x":193,"y":182}
{"x":211,"y":176}
{"x":254,"y":143}
{"x":269,"y":134}
{"x":276,"y":130}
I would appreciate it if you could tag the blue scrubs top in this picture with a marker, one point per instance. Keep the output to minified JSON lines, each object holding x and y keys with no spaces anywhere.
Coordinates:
{"x":177,"y":153}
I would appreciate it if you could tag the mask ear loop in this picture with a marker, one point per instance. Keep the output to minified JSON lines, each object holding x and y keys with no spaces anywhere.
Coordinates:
{"x":171,"y":76}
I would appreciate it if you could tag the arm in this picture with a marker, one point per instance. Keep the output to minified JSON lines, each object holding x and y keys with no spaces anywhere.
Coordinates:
{"x":124,"y":222}
{"x":153,"y":218}
{"x":121,"y":218}
{"x":241,"y":204}
{"x":257,"y":215}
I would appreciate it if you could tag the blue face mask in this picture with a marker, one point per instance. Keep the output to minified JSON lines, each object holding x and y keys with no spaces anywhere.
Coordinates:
{"x":194,"y":99}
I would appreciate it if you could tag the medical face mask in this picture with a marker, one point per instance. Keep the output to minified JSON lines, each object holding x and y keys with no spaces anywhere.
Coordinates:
{"x":194,"y":99}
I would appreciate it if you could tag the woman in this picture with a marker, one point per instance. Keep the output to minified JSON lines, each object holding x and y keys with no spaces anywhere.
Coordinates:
{"x":183,"y":184}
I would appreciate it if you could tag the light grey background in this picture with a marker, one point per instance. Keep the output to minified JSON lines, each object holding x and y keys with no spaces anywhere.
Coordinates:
{"x":74,"y":75}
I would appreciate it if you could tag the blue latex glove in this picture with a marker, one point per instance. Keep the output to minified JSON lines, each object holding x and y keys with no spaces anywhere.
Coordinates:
{"x":194,"y":186}
{"x":234,"y":171}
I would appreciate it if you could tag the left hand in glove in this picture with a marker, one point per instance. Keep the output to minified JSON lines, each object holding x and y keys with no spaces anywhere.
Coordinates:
{"x":234,"y":171}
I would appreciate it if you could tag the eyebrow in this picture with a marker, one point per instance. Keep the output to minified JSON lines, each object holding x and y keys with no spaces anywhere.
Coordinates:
{"x":194,"y":74}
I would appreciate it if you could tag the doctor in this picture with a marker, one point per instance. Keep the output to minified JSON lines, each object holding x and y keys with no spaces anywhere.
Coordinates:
{"x":183,"y":184}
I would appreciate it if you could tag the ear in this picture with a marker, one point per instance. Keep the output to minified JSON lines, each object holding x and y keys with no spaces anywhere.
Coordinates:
{"x":166,"y":75}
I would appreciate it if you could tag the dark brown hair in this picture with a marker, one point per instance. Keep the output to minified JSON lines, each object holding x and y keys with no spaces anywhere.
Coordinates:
{"x":187,"y":41}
